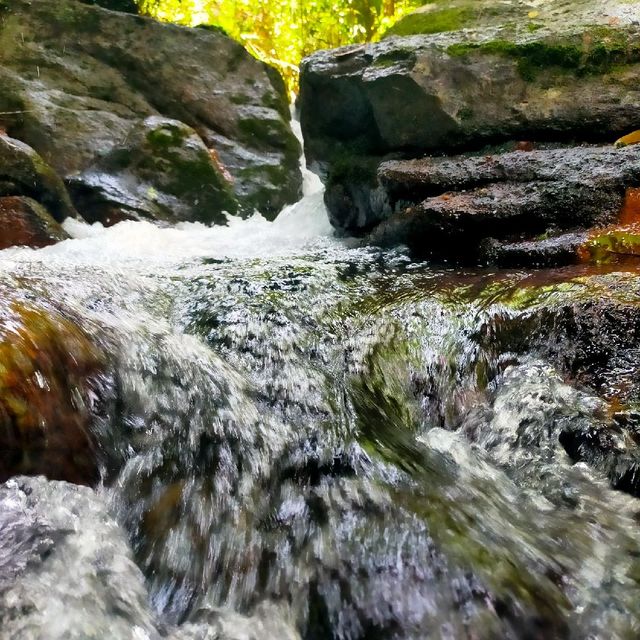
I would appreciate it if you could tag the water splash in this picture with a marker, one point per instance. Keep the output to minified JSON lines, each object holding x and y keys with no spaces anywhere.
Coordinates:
{"x":376,"y":446}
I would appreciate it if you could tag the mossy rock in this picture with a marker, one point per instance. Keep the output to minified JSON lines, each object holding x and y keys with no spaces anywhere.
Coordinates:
{"x":432,"y":19}
{"x":164,"y":172}
{"x":612,"y":244}
{"x":24,"y":173}
{"x":597,"y":51}
{"x":468,"y":76}
{"x":124,"y":68}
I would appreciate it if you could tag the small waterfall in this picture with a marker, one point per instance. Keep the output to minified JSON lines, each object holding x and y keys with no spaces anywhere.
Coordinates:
{"x":358,"y":446}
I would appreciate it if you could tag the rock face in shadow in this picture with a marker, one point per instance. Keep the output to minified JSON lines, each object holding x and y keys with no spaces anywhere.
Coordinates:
{"x":79,"y":80}
{"x":462,"y":76}
{"x":459,"y":207}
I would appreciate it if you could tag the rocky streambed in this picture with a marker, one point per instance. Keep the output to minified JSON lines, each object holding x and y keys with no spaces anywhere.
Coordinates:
{"x":255,"y":429}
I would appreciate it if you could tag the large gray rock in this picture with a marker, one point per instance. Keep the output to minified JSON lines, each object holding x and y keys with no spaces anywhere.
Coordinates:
{"x":77,"y":80}
{"x":162,"y":172}
{"x":478,"y":73}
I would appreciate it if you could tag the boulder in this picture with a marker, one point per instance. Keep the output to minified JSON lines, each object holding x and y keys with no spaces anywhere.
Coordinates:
{"x":477,"y":73}
{"x":162,"y":172}
{"x":25,"y":222}
{"x":24,"y":173}
{"x":78,"y":80}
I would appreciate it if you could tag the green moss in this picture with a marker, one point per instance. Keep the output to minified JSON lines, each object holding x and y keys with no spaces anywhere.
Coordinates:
{"x":612,"y":244}
{"x":428,"y":22}
{"x":273,"y":133}
{"x":166,"y":137}
{"x":599,"y":50}
{"x":76,"y":17}
{"x":240,"y":99}
{"x":272,"y":192}
{"x":466,"y":113}
{"x":352,"y":168}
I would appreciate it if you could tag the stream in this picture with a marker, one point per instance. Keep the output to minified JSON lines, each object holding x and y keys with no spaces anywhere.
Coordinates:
{"x":361,"y":446}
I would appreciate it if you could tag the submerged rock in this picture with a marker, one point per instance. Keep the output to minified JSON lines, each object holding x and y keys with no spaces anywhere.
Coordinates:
{"x":25,"y":222}
{"x":77,"y":79}
{"x":268,"y":622}
{"x":477,"y":73}
{"x":162,"y":172}
{"x":52,"y":380}
{"x":66,"y":572}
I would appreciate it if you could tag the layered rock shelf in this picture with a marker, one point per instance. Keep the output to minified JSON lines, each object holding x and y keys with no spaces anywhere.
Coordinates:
{"x":511,"y":208}
{"x":481,"y":80}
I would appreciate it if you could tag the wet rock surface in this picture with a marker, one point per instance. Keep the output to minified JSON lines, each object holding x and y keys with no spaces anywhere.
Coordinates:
{"x":78,"y":80}
{"x":506,"y":197}
{"x":290,"y":465}
{"x":337,"y":442}
{"x":555,"y":251}
{"x":24,"y":173}
{"x":25,"y":222}
{"x":268,"y":621}
{"x":464,"y":77}
{"x":163,"y":172}
{"x":52,"y":383}
{"x":66,"y":571}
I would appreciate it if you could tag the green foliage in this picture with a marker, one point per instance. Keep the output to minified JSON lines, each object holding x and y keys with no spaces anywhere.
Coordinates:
{"x":282,"y":32}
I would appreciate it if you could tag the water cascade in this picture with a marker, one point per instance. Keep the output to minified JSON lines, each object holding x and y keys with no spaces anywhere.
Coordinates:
{"x":297,"y":437}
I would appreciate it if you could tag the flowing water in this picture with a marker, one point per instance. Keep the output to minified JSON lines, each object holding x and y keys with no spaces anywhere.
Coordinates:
{"x":380,"y":449}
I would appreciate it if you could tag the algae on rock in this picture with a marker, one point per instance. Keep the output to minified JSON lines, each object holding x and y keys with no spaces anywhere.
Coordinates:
{"x":76,"y":78}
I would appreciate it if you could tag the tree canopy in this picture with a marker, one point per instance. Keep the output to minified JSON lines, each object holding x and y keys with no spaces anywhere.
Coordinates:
{"x":282,"y":32}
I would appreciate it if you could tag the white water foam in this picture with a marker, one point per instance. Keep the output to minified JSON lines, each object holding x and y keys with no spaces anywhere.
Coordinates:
{"x":301,"y":227}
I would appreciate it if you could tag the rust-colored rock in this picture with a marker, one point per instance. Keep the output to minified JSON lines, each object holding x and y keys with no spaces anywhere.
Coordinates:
{"x":50,"y":375}
{"x":631,"y":207}
{"x":25,"y":222}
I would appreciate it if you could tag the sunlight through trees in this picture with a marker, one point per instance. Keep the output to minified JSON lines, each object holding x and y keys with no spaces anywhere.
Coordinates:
{"x":282,"y":32}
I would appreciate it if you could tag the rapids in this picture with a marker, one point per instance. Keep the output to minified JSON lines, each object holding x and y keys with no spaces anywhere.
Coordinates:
{"x":371,"y":447}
